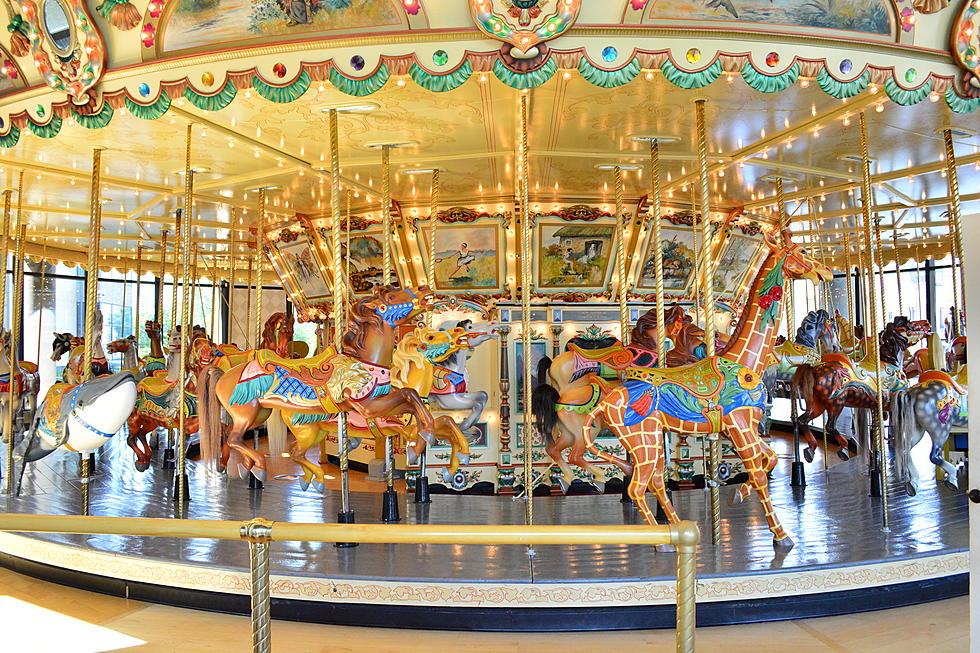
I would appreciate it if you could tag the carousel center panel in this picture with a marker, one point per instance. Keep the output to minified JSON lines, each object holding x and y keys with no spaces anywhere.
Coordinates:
{"x":842,"y":562}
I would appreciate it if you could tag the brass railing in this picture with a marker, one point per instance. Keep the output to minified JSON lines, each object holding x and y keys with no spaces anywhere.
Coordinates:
{"x":684,"y":536}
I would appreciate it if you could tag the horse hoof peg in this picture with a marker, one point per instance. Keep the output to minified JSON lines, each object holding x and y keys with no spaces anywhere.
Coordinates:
{"x":259,"y":473}
{"x":910,"y":489}
{"x":463,"y":459}
{"x":852,"y":445}
{"x":564,"y":485}
{"x":808,"y":454}
{"x":411,"y":456}
{"x":304,"y":484}
{"x":319,"y":487}
{"x":142,"y":467}
{"x":353,"y":443}
{"x":843,"y":455}
{"x":446,"y":476}
{"x":784,"y":544}
{"x":242,"y":471}
{"x":950,"y":485}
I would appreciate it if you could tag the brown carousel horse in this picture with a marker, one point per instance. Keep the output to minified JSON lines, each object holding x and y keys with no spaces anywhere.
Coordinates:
{"x":357,"y":379}
{"x":560,"y":414}
{"x":839,"y":382}
{"x":158,"y":399}
{"x":719,"y":394}
{"x":277,"y":336}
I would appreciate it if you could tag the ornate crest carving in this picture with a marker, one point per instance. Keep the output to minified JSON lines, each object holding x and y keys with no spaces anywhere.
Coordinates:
{"x":524,"y":24}
{"x":966,"y":46}
{"x":66,"y":45}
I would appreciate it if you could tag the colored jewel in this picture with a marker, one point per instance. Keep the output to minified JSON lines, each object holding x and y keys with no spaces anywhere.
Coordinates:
{"x":280,"y":70}
{"x":772,"y":59}
{"x":148,"y":36}
{"x":846,"y":66}
{"x":411,"y":6}
{"x":440,"y":57}
{"x":357,"y":62}
{"x":908,"y":19}
{"x":911,"y":74}
{"x":40,"y":111}
{"x":2,"y":123}
{"x":609,"y":53}
{"x":144,"y":90}
{"x":155,"y":8}
{"x":693,"y":55}
{"x":207,"y":79}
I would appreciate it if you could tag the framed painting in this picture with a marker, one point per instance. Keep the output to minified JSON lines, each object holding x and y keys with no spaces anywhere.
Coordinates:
{"x":468,"y":258}
{"x":366,"y":262}
{"x":680,"y":261}
{"x":737,"y":259}
{"x":575,"y":256}
{"x":292,"y":249}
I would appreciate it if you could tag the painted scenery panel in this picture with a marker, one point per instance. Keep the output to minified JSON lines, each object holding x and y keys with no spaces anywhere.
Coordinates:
{"x":867,"y":16}
{"x":202,"y":22}
{"x":299,"y":259}
{"x":574,"y":256}
{"x":679,"y":261}
{"x":468,"y":258}
{"x":736,"y":259}
{"x":366,"y":261}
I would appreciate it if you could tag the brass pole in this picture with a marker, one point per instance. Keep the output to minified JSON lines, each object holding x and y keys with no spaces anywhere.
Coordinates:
{"x":259,"y":266}
{"x":185,"y":318}
{"x":249,"y":286}
{"x":346,"y":514}
{"x":386,"y":212}
{"x":877,"y":258}
{"x":40,"y":305}
{"x":214,"y":298}
{"x":4,"y":253}
{"x":656,"y":209}
{"x":162,"y":277}
{"x":714,"y":451}
{"x":850,"y":279}
{"x":918,"y":282}
{"x":798,"y":477}
{"x":91,"y":296}
{"x":687,"y":536}
{"x":195,"y":286}
{"x":174,"y":317}
{"x":14,"y":334}
{"x":898,"y":273}
{"x":956,"y":228}
{"x":258,"y":533}
{"x":231,"y":276}
{"x":136,"y":309}
{"x":348,"y":299}
{"x":622,"y":224}
{"x":433,"y":221}
{"x":879,"y":434}
{"x":526,"y":340}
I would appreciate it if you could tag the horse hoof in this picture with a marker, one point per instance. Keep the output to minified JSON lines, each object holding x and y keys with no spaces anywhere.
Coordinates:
{"x":852,"y":445}
{"x":318,"y":486}
{"x":950,"y":485}
{"x":242,"y":471}
{"x":808,"y":454}
{"x":304,"y":484}
{"x":463,"y":459}
{"x":600,"y":486}
{"x":259,"y":473}
{"x":411,"y":456}
{"x":735,"y":498}
{"x":666,"y":548}
{"x":564,"y":485}
{"x":446,"y":476}
{"x":784,"y":544}
{"x":910,"y":488}
{"x":142,"y":467}
{"x":843,"y":455}
{"x":353,"y":443}
{"x":222,"y":469}
{"x":430,"y":438}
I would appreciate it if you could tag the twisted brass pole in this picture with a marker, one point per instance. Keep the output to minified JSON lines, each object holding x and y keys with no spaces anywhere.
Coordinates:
{"x":249,"y":286}
{"x":136,"y":309}
{"x":162,"y":277}
{"x":348,"y":295}
{"x":91,"y":294}
{"x":955,"y":231}
{"x":623,"y":224}
{"x":658,"y":259}
{"x":9,"y":420}
{"x":526,"y":288}
{"x":850,"y":279}
{"x":214,"y":298}
{"x":386,"y":211}
{"x":185,"y":319}
{"x":879,"y":434}
{"x":178,"y":240}
{"x":880,"y":268}
{"x":433,"y":220}
{"x":898,"y":271}
{"x":231,"y":275}
{"x":259,"y":267}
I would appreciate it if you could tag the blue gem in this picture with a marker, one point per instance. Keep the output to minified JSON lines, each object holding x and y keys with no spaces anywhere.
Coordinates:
{"x":144,"y":90}
{"x":357,"y":62}
{"x":609,"y":53}
{"x":846,"y":66}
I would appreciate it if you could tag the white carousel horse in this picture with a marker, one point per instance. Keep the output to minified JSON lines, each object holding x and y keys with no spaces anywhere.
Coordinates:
{"x":74,"y":371}
{"x":26,"y":386}
{"x":449,"y":386}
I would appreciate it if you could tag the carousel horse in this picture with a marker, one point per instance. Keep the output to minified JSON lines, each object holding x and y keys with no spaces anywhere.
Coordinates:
{"x":356,"y":379}
{"x":277,"y":336}
{"x":27,"y":383}
{"x":839,"y":382}
{"x":413,"y":366}
{"x":560,"y":414}
{"x":852,"y":340}
{"x":956,"y":354}
{"x":127,"y":347}
{"x":930,"y":357}
{"x":160,"y":395}
{"x":79,"y":418}
{"x":720,"y":394}
{"x":934,"y":405}
{"x":74,"y":372}
{"x":450,"y":379}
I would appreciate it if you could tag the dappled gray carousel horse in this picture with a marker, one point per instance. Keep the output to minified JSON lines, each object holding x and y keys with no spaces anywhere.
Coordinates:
{"x":449,"y":386}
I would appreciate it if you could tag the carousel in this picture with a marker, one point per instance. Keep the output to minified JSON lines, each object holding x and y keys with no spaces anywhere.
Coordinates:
{"x":491,"y":263}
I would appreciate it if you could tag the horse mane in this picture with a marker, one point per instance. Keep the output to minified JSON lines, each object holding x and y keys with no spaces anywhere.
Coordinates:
{"x":589,"y":343}
{"x":363,"y":318}
{"x":893,"y":344}
{"x":406,"y":356}
{"x":271,"y":332}
{"x":814,"y":322}
{"x":648,"y":321}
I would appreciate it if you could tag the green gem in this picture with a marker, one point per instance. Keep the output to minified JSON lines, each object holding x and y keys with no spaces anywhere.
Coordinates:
{"x":910,"y":75}
{"x":441,"y":57}
{"x":40,"y":111}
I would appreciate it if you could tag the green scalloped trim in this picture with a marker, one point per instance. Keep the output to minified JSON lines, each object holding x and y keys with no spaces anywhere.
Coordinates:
{"x":95,"y":121}
{"x":149,"y":111}
{"x":283,"y":94}
{"x":49,"y":130}
{"x":687,"y":80}
{"x":608,"y":78}
{"x":961,"y":104}
{"x":214,"y":102}
{"x":521,"y":81}
{"x":440,"y":83}
{"x":360,"y":87}
{"x":10,"y":138}
{"x":841,"y":90}
{"x":770,"y":83}
{"x":907,"y":97}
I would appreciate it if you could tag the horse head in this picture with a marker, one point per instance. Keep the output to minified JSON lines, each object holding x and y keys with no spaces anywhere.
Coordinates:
{"x":63,"y":343}
{"x":173,"y":341}
{"x":830,"y":337}
{"x":797,"y":262}
{"x":277,"y":333}
{"x":153,"y":330}
{"x":473,"y":333}
{"x":913,"y":330}
{"x":202,"y":354}
{"x":121,"y":345}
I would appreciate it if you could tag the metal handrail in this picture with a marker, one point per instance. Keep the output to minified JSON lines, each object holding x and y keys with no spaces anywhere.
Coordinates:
{"x":684,"y":536}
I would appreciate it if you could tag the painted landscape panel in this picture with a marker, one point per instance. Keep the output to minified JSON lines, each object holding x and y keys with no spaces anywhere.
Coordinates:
{"x":366,"y":261}
{"x":736,"y":259}
{"x":574,"y":256}
{"x":867,"y":16}
{"x":679,"y":261}
{"x":298,"y":257}
{"x":467,"y":258}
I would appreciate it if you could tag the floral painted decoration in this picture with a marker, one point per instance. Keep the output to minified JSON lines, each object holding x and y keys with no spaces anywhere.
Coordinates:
{"x":771,"y":292}
{"x":966,"y":46}
{"x":524,"y":24}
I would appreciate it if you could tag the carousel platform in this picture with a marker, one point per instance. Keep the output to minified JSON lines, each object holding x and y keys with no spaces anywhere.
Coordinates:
{"x":842,"y":562}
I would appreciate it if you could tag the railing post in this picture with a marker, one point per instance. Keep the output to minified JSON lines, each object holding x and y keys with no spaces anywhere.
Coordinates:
{"x":258,"y":533}
{"x":686,"y":536}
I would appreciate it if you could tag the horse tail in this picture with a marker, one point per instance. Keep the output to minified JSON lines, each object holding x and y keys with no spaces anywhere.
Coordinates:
{"x":209,"y":415}
{"x":278,"y":432}
{"x":544,"y":402}
{"x":802,"y":386}
{"x":901,"y":426}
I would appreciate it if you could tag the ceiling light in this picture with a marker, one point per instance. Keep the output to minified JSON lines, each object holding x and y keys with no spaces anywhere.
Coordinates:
{"x":776,"y":176}
{"x":958,"y":132}
{"x":418,"y":171}
{"x":856,"y":158}
{"x":649,"y":138}
{"x":359,"y":107}
{"x":378,"y":146}
{"x":621,"y":166}
{"x":268,"y":187}
{"x":195,"y":169}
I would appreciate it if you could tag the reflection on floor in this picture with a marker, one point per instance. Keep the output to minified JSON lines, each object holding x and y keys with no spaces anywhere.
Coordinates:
{"x":939,"y":627}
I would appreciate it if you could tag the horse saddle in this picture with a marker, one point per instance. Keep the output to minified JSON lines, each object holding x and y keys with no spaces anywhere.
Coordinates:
{"x":702,"y":379}
{"x":792,"y":350}
{"x":944,"y":377}
{"x":57,"y":406}
{"x":157,"y":384}
{"x":27,"y":367}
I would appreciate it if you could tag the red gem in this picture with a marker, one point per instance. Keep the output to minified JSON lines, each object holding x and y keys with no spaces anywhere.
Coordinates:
{"x":772,"y":59}
{"x":765,"y":301}
{"x":280,"y":70}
